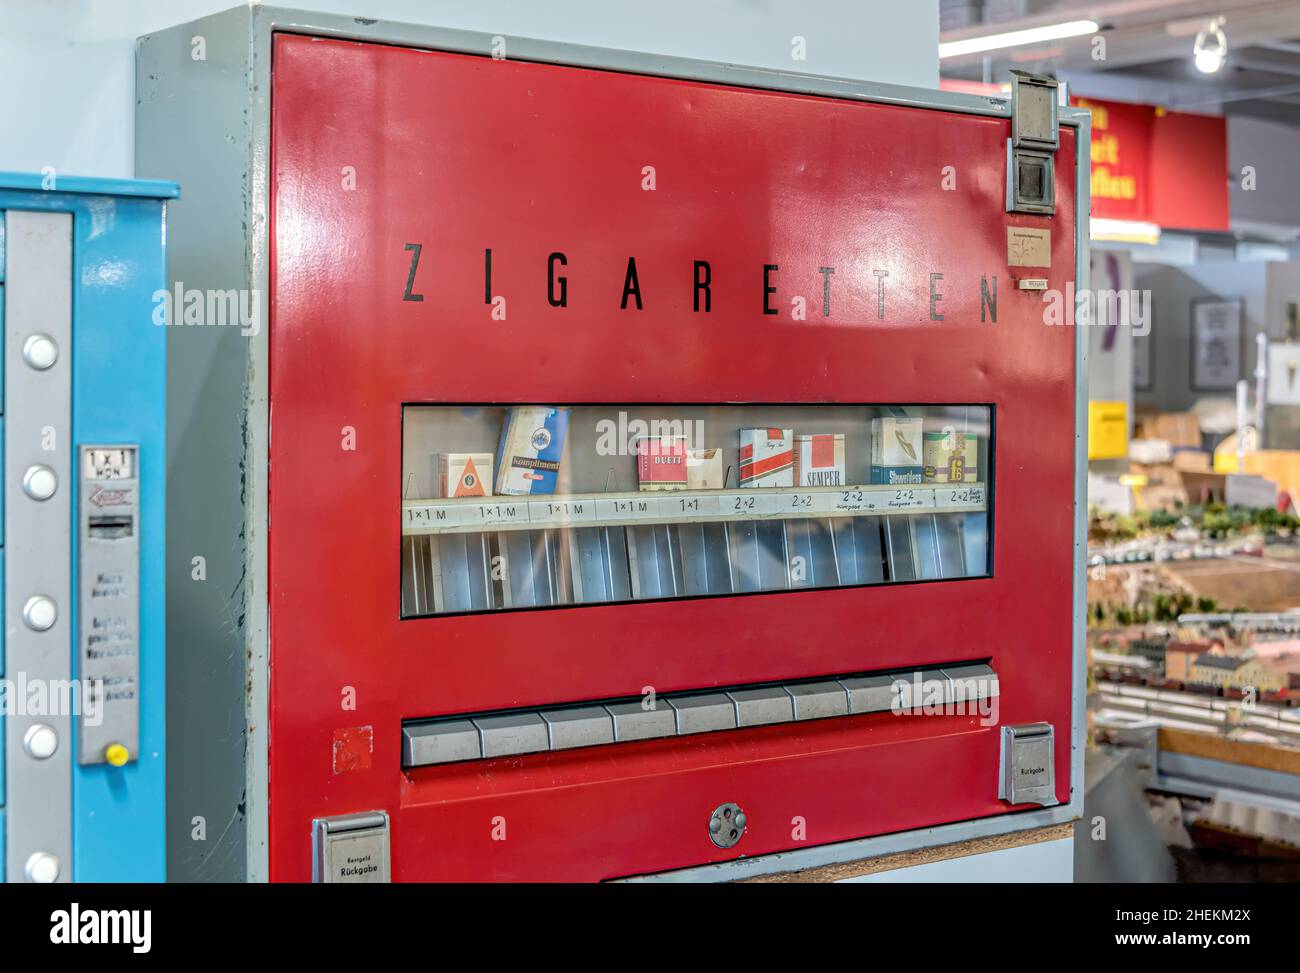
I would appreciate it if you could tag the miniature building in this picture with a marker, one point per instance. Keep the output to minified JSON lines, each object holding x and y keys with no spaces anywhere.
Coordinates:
{"x":1235,"y":672}
{"x":1151,"y":649}
{"x":1181,"y":656}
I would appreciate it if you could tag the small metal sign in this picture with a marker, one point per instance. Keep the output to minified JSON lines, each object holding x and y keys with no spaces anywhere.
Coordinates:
{"x":108,"y":617}
{"x":1027,"y":773}
{"x":351,"y":848}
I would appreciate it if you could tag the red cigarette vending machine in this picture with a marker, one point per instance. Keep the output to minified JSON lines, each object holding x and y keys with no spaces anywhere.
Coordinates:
{"x":650,"y":465}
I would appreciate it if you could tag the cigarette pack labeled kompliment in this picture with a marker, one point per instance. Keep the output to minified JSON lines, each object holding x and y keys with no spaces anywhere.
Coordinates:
{"x":528,"y":455}
{"x":950,"y":455}
{"x":896,"y":450}
{"x":819,"y":460}
{"x":661,"y":462}
{"x":464,"y":474}
{"x":704,"y":469}
{"x":766,"y":458}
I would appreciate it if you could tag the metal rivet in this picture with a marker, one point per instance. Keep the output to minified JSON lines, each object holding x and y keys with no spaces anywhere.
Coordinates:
{"x":40,"y":482}
{"x":40,"y":613}
{"x":42,"y":867}
{"x":40,"y":741}
{"x":40,"y":351}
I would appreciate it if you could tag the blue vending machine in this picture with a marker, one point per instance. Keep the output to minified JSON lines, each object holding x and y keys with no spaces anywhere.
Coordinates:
{"x":82,"y":275}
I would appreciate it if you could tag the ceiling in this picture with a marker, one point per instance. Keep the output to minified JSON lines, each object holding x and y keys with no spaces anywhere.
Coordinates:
{"x":1147,"y":52}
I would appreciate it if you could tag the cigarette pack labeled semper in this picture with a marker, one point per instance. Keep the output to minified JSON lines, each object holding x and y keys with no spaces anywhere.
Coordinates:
{"x":661,"y":462}
{"x":528,"y":455}
{"x":819,"y":460}
{"x":766,"y":458}
{"x":464,"y":474}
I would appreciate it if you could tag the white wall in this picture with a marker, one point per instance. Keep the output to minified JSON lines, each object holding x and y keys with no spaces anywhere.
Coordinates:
{"x":67,"y":66}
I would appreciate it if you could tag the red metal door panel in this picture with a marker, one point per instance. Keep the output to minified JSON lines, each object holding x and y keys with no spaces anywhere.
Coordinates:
{"x":461,"y":153}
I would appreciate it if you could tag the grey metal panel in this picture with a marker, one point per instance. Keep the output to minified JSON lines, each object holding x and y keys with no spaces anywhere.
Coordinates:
{"x":818,"y":700}
{"x":1082,"y":273}
{"x":952,"y":554}
{"x":975,"y":543}
{"x":37,"y":534}
{"x":466,"y":572}
{"x":204,"y":123}
{"x":758,"y":555}
{"x":512,"y":733}
{"x":440,"y":743}
{"x":758,"y":707}
{"x":706,"y":559}
{"x":925,"y":535}
{"x":858,"y":549}
{"x":600,"y":566}
{"x":813,"y":541}
{"x":898,"y":546}
{"x":632,"y":722}
{"x":870,"y":694}
{"x":655,"y":554}
{"x":578,"y":726}
{"x":704,"y":713}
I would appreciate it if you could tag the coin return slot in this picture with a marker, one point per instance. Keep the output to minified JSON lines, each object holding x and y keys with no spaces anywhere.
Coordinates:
{"x":110,"y":527}
{"x":476,"y":736}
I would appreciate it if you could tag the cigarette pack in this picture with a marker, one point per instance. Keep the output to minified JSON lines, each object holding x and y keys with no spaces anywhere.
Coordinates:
{"x":704,"y":469}
{"x":464,"y":474}
{"x":766,"y":458}
{"x":661,"y":462}
{"x":528,"y":455}
{"x":819,"y":460}
{"x":950,"y":455}
{"x":896,"y":450}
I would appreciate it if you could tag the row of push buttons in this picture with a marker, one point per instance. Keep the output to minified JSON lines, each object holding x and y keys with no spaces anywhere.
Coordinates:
{"x":563,"y":728}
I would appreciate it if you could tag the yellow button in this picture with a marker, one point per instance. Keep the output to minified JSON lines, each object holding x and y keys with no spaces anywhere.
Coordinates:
{"x":116,"y":754}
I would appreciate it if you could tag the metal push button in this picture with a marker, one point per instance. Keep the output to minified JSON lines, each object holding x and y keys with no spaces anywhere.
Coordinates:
{"x":40,"y":351}
{"x":42,"y":868}
{"x":40,"y":613}
{"x":1027,"y":771}
{"x":512,"y":733}
{"x":632,"y":722}
{"x":819,"y":700}
{"x":40,"y":482}
{"x":40,"y":741}
{"x":440,"y":743}
{"x":704,"y":713}
{"x":759,"y":707}
{"x":972,"y":682}
{"x":578,"y":726}
{"x":870,"y":694}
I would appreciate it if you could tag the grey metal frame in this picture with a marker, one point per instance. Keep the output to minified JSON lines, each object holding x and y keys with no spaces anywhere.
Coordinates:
{"x":38,"y":535}
{"x":207,"y":125}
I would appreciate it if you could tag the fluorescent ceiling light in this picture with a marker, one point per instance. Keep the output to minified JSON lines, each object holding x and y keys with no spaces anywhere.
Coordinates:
{"x":1017,"y":38}
{"x":1124,"y":231}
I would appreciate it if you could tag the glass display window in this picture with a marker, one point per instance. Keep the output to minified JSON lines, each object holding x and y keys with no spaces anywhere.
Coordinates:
{"x":534,"y":506}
